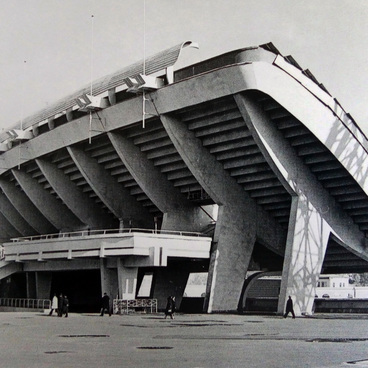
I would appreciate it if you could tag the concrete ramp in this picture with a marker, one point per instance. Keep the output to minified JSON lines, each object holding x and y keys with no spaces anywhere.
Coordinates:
{"x":8,"y":268}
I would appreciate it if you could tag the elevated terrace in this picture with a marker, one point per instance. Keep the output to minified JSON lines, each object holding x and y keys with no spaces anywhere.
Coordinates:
{"x":149,"y":247}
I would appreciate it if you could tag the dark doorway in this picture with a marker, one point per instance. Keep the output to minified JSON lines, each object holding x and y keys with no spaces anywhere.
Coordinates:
{"x":83,"y":289}
{"x":14,"y":286}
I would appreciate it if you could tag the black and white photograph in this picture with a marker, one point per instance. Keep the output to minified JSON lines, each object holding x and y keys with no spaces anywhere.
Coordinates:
{"x":183,"y":183}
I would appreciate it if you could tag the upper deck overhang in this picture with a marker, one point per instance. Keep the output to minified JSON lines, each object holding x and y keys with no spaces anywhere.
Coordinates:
{"x":304,"y":100}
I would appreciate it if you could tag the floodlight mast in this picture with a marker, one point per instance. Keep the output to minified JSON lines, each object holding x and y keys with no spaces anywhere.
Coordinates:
{"x":144,"y":66}
{"x":90,"y":112}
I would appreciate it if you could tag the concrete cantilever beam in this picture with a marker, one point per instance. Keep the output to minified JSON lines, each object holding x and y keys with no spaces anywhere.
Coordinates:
{"x":26,"y":208}
{"x":79,"y":203}
{"x":291,"y":169}
{"x":306,"y":222}
{"x":114,"y":195}
{"x":55,"y":212}
{"x":179,"y":213}
{"x":7,"y":228}
{"x":14,"y":217}
{"x":326,"y":126}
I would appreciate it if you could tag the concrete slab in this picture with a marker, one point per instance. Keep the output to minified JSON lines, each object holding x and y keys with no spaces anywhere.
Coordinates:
{"x":198,"y":341}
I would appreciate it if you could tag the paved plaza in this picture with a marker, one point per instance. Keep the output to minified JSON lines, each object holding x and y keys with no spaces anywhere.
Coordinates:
{"x":30,"y":340}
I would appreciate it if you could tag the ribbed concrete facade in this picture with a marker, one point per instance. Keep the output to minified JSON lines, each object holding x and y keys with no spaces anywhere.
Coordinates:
{"x":249,"y":133}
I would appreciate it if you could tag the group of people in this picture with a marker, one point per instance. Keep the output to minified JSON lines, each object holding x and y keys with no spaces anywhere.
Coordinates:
{"x":60,"y":305}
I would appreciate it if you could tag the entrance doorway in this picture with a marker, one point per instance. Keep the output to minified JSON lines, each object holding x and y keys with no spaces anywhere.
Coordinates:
{"x":83,"y":289}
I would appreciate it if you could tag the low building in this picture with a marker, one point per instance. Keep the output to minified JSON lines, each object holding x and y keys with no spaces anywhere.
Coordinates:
{"x":338,"y":287}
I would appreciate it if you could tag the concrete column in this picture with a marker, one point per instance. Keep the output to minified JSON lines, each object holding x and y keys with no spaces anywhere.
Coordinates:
{"x":127,"y":280}
{"x":240,"y":220}
{"x":31,"y":285}
{"x":233,"y":245}
{"x":109,"y":279}
{"x":43,"y":285}
{"x":306,"y":246}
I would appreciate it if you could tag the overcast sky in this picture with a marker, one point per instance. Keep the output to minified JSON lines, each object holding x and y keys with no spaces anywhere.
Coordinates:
{"x":46,"y":48}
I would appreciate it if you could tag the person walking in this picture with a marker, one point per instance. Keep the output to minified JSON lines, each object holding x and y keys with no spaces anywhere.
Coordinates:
{"x":105,"y":304}
{"x":54,"y":304}
{"x":60,"y":305}
{"x":66,"y":306}
{"x":289,"y":308}
{"x":170,"y":307}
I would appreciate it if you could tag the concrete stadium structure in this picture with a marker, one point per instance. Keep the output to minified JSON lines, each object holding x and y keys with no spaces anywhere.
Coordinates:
{"x":120,"y":179}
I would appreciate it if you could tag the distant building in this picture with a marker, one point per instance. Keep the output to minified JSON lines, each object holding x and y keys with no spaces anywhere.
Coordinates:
{"x":338,"y":287}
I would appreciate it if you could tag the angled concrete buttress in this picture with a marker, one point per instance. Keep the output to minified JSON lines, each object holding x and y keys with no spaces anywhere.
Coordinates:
{"x":77,"y":201}
{"x":179,"y":213}
{"x":14,"y":217}
{"x":314,"y":213}
{"x":237,"y":227}
{"x":8,"y":228}
{"x":55,"y":212}
{"x":26,"y":208}
{"x":114,"y":195}
{"x":8,"y":268}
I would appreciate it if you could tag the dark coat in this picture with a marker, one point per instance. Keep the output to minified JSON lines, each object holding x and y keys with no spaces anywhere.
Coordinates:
{"x":170,"y":306}
{"x":105,"y":301}
{"x":65,"y":305}
{"x":60,"y":303}
{"x":289,"y":305}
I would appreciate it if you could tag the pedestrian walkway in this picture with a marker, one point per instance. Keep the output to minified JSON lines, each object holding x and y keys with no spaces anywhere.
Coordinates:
{"x":192,"y":341}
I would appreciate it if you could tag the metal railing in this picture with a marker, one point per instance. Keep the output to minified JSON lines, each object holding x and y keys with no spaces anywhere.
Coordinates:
{"x":122,"y":306}
{"x":103,"y":232}
{"x":25,"y":303}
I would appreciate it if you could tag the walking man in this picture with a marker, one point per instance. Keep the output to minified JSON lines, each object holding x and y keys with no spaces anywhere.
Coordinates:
{"x":289,"y":308}
{"x":105,"y":304}
{"x":60,"y":305}
{"x":66,"y":306}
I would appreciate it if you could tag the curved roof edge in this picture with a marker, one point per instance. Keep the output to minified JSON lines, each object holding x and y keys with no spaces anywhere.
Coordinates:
{"x":155,"y":63}
{"x":167,"y":58}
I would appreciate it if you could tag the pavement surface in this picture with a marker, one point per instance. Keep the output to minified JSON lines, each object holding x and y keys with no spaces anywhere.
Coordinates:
{"x":32,"y":339}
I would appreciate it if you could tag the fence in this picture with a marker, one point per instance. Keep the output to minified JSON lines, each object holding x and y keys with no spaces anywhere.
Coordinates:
{"x":105,"y":232}
{"x":122,"y":306}
{"x":25,"y":303}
